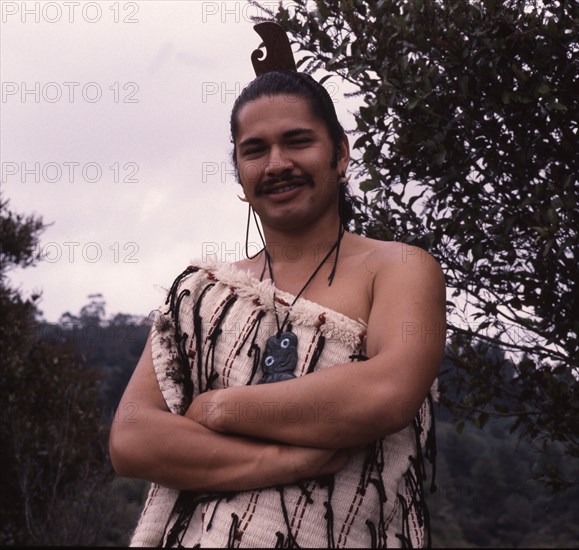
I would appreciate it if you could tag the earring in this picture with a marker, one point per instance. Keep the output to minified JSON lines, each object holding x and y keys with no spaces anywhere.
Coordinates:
{"x":250,"y":212}
{"x":343,"y":178}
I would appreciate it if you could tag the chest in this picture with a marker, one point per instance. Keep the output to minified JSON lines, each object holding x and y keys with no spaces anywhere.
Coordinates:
{"x":349,"y":294}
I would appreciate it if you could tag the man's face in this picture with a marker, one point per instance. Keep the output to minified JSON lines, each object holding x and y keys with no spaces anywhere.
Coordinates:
{"x":284,"y":158}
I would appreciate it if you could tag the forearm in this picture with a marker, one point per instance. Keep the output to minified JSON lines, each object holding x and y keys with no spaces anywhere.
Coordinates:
{"x":177,"y":452}
{"x":344,"y":406}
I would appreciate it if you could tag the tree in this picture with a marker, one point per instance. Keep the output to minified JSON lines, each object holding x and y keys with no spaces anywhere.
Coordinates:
{"x":111,"y":346}
{"x":53,"y":455}
{"x":467,"y":140}
{"x":18,"y":238}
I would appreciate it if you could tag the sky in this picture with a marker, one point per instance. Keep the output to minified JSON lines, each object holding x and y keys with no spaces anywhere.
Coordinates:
{"x":114,"y":128}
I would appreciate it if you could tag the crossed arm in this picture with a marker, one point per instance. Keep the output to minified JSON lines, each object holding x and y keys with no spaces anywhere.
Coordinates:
{"x":180,"y":453}
{"x":311,"y":424}
{"x":354,"y":403}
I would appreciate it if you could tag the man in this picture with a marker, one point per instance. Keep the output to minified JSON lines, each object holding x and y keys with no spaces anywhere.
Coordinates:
{"x":284,"y":400}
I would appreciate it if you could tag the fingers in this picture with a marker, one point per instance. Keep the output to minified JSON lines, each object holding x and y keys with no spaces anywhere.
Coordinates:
{"x":336,"y":462}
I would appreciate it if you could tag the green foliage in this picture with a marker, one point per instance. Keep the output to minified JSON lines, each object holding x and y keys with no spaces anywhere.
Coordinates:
{"x":19,"y":239}
{"x":111,"y":346}
{"x":52,"y":451}
{"x":486,"y":496}
{"x":56,"y":474}
{"x":57,"y":446}
{"x":467,"y":140}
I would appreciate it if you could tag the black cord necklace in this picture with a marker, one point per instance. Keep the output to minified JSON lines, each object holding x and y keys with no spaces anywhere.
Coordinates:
{"x":281,"y":349}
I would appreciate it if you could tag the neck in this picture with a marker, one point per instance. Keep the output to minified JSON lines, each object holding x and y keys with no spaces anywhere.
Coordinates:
{"x":334,"y":249}
{"x":303,"y":246}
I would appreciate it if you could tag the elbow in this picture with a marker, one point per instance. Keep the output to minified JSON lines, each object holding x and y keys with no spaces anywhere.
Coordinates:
{"x":119,"y":452}
{"x":395,"y":414}
{"x":387,"y":424}
{"x":401,"y":414}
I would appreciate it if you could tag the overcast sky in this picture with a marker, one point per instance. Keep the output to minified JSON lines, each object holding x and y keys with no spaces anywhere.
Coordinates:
{"x":115,"y":129}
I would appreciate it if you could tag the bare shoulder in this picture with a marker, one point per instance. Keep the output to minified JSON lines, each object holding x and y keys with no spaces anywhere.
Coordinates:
{"x":387,"y":259}
{"x":408,"y":293}
{"x":401,"y":275}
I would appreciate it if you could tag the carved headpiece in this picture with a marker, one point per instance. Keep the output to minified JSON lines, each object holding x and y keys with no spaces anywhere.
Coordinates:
{"x":279,"y":53}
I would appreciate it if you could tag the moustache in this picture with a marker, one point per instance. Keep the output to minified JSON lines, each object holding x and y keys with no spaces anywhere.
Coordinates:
{"x":288,"y":178}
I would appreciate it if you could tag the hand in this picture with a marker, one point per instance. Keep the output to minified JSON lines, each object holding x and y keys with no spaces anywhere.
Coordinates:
{"x":310,"y":462}
{"x":293,"y":463}
{"x":205,"y":410}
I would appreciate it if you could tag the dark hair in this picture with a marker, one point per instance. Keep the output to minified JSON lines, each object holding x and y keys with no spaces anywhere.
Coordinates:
{"x":303,"y":85}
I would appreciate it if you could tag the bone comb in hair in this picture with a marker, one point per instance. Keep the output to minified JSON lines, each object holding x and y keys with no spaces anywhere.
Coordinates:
{"x":279,"y":53}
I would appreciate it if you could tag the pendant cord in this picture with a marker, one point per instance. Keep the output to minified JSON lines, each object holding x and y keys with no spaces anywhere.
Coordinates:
{"x":336,"y":247}
{"x":342,"y":226}
{"x":341,"y":231}
{"x":250,"y":210}
{"x":267,"y":258}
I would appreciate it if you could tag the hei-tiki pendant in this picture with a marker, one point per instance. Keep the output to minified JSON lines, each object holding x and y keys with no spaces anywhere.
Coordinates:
{"x":280,"y":358}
